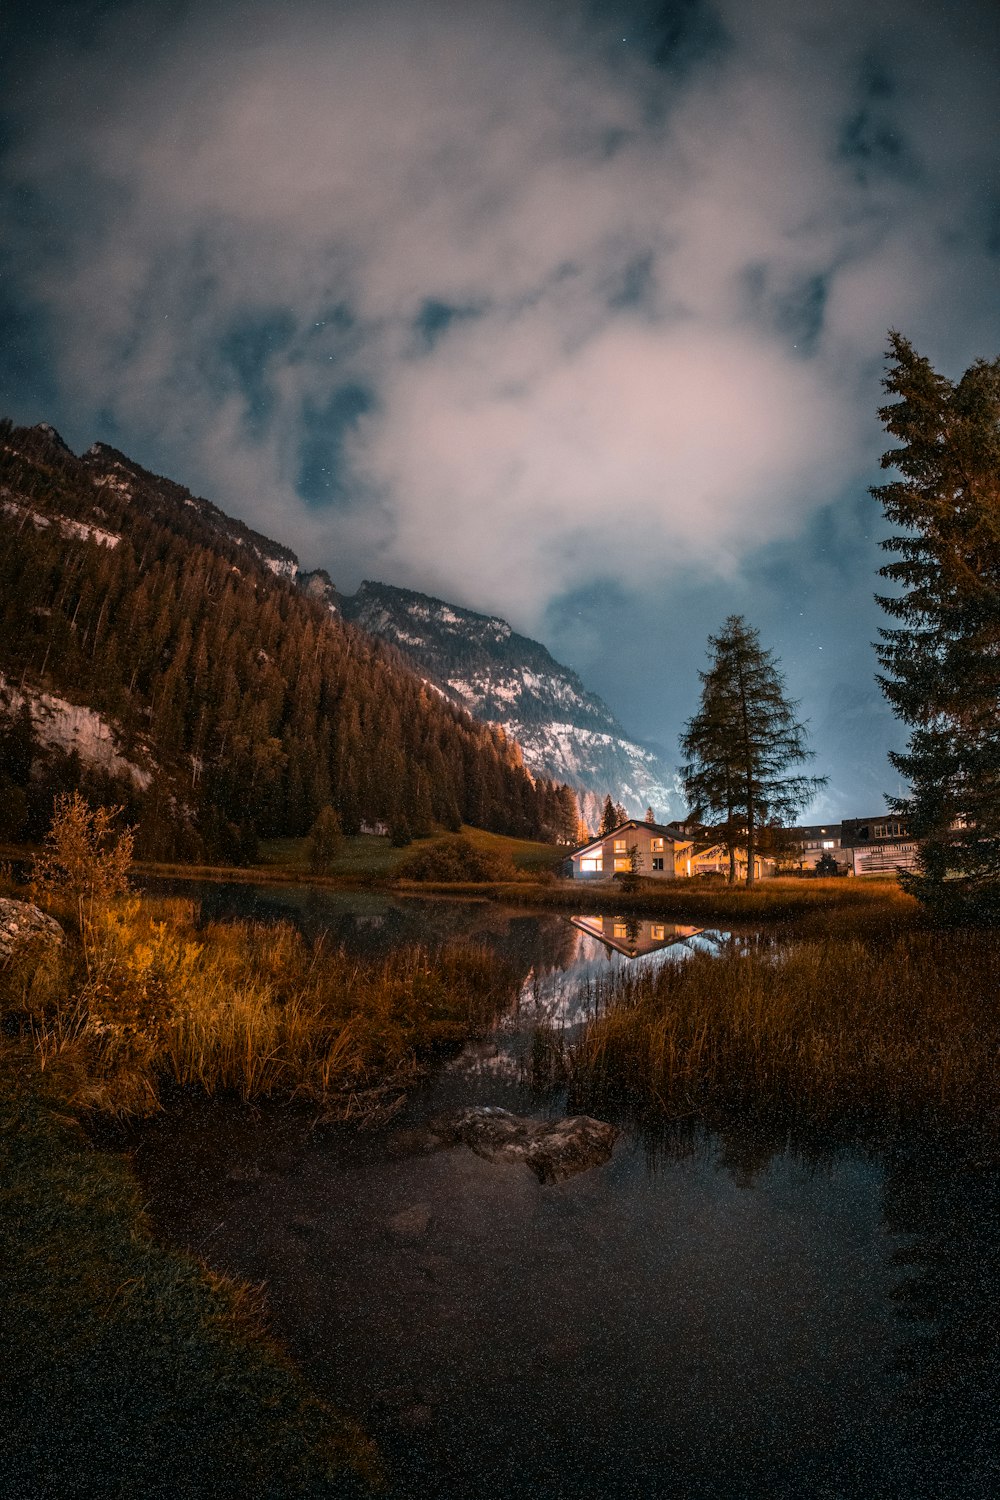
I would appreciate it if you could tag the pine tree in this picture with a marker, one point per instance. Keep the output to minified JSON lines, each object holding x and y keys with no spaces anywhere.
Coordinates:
{"x":325,"y":839}
{"x":742,"y":741}
{"x":609,"y":818}
{"x":941,"y":663}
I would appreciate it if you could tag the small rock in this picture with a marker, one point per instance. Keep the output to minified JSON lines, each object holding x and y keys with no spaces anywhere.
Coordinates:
{"x":412,"y":1223}
{"x":20,"y":923}
{"x":553,"y":1149}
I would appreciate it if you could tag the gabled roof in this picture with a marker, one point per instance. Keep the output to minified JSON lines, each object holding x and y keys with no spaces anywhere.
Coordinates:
{"x":658,"y":830}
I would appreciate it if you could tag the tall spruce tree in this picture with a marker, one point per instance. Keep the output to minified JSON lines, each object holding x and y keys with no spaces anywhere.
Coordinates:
{"x":742,"y":742}
{"x":942,"y":661}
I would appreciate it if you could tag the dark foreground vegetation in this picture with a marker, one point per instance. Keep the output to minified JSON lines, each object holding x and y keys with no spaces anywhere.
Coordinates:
{"x":130,"y":1369}
{"x":134,"y":1370}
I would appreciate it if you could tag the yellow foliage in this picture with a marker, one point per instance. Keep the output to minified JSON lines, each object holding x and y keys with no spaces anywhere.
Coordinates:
{"x":256,"y":1010}
{"x":84,"y":858}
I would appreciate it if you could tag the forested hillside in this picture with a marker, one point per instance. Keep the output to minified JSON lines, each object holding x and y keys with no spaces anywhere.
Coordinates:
{"x":243,"y":702}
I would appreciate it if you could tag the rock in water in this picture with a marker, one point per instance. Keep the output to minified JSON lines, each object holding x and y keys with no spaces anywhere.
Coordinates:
{"x":22,"y":923}
{"x":412,"y":1223}
{"x":553,"y":1149}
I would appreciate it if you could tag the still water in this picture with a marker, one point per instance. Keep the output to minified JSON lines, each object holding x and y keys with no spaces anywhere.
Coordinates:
{"x":705,"y":1316}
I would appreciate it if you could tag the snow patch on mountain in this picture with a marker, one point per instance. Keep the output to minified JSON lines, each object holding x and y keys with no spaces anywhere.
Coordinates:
{"x":565,"y":732}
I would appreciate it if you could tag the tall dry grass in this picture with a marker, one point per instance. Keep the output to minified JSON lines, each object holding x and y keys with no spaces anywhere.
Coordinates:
{"x":252,"y":1009}
{"x":834,"y":1028}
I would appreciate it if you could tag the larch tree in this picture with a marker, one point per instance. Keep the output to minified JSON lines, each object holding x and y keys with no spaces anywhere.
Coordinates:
{"x":743,"y":743}
{"x":941,"y":661}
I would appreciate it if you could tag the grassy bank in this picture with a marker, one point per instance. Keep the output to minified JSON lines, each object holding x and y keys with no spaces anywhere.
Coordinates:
{"x":894,"y":1026}
{"x":364,"y":859}
{"x":130,"y":1369}
{"x":144,"y":999}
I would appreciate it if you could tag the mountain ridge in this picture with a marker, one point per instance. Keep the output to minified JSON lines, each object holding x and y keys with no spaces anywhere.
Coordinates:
{"x":479,"y":662}
{"x":564,"y":730}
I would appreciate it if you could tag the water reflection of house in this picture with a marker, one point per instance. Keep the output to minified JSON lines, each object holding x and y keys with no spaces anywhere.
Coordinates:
{"x":633,"y":936}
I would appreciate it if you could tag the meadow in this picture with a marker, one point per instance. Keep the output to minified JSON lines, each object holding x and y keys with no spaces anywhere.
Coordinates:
{"x":374,"y":858}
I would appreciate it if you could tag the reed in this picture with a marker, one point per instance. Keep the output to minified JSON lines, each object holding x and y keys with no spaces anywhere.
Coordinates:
{"x":835,"y":1028}
{"x":147,"y":997}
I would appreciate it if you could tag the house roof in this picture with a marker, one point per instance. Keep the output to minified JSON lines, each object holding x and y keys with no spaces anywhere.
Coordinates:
{"x":658,"y":830}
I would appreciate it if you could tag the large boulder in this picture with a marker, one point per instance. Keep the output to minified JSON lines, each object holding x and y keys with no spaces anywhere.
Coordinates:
{"x":21,"y":924}
{"x":553,"y":1149}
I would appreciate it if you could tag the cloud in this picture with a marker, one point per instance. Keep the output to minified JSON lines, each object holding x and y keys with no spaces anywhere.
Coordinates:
{"x":505,"y":302}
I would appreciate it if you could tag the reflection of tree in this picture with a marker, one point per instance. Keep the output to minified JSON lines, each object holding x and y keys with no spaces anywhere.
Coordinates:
{"x":946,"y":1195}
{"x":747,"y":1148}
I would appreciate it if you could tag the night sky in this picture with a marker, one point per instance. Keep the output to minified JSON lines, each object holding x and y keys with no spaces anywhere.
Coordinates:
{"x":575,"y":313}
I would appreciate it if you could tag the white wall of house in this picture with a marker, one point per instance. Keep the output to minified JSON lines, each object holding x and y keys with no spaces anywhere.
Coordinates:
{"x":611,"y":856}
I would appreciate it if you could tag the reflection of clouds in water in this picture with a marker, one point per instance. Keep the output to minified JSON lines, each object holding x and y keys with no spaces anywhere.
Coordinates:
{"x":487,"y":1059}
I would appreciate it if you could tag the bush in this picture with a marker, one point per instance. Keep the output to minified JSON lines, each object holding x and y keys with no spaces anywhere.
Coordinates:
{"x":85,"y":860}
{"x":455,"y":858}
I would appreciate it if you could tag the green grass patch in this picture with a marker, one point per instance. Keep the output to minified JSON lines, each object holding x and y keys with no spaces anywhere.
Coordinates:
{"x":524,"y":854}
{"x":364,"y":856}
{"x":130,"y":1369}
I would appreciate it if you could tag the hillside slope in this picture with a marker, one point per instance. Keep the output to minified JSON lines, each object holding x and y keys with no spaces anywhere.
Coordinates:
{"x":249,"y":700}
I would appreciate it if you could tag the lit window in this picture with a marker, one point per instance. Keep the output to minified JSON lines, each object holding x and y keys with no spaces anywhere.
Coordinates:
{"x":828,"y":843}
{"x":621,"y":931}
{"x":657,"y":933}
{"x":622,"y":864}
{"x":656,"y":845}
{"x":591,"y":864}
{"x":619,"y":846}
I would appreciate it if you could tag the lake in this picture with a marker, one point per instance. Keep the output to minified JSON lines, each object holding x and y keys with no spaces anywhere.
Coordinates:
{"x":706,"y":1315}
